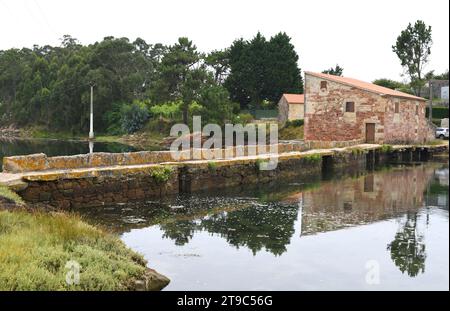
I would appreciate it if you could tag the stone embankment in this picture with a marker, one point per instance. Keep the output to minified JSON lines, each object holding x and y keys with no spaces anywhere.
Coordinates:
{"x":105,"y":178}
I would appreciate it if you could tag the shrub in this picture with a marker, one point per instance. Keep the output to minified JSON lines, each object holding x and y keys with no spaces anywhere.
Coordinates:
{"x":113,"y":119}
{"x":162,"y":174}
{"x":134,"y":116}
{"x":313,"y":158}
{"x":243,"y":118}
{"x":295,"y":123}
{"x":357,"y":151}
{"x":171,"y":110}
{"x":386,"y":148}
{"x":438,"y":112}
{"x":260,"y":162}
{"x":212,"y":165}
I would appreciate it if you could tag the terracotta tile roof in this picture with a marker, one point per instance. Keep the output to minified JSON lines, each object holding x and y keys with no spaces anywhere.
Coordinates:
{"x":294,"y":98}
{"x":383,"y":91}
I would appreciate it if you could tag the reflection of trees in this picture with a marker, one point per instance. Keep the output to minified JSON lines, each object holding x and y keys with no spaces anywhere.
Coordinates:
{"x":408,"y":248}
{"x":269,"y":227}
{"x":180,"y":231}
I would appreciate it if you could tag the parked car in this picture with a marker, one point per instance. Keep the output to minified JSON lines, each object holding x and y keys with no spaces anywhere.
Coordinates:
{"x":442,"y":132}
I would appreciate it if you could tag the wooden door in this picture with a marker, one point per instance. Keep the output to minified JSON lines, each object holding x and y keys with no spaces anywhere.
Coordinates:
{"x":370,"y":133}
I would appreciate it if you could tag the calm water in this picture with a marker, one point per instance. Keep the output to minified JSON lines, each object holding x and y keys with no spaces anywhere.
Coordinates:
{"x":53,"y":147}
{"x":382,"y":230}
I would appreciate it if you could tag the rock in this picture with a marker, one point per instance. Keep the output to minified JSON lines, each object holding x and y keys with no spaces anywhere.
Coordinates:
{"x":153,"y":281}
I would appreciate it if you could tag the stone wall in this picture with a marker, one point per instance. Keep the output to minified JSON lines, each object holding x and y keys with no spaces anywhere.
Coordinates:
{"x":243,"y":172}
{"x":327,"y":121}
{"x":40,"y":162}
{"x":409,"y":124}
{"x":119,"y":184}
{"x":102,"y":189}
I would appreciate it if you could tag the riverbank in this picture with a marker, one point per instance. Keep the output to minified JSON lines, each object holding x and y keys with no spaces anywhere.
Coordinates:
{"x":44,"y":251}
{"x":145,"y":140}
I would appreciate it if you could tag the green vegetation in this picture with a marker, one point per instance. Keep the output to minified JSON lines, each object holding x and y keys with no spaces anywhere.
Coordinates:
{"x":357,"y":151}
{"x":162,"y":174}
{"x":260,"y":163}
{"x":386,"y":149}
{"x":212,"y":166}
{"x":133,"y":116}
{"x":36,"y":247}
{"x":47,"y":88}
{"x":10,"y":196}
{"x":261,"y":70}
{"x":295,"y":123}
{"x":292,"y":130}
{"x":336,"y":71}
{"x":394,"y":85}
{"x":413,"y":48}
{"x":438,"y":113}
{"x":244,"y":118}
{"x":313,"y":158}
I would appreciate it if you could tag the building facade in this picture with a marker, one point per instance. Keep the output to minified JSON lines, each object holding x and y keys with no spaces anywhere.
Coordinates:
{"x":342,"y":110}
{"x":291,"y":107}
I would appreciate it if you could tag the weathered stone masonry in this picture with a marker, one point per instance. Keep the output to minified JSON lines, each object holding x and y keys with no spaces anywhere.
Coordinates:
{"x":80,"y":187}
{"x":326,"y":118}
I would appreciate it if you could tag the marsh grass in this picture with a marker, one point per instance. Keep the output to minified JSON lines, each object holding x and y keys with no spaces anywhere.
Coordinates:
{"x":36,"y":246}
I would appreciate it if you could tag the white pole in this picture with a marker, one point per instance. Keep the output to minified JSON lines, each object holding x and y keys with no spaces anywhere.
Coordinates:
{"x":91,"y":127}
{"x":91,"y":146}
{"x":430,"y":109}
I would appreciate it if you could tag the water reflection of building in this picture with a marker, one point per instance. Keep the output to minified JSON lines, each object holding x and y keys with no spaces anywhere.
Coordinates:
{"x":437,"y":191}
{"x":338,"y":204}
{"x":378,"y":196}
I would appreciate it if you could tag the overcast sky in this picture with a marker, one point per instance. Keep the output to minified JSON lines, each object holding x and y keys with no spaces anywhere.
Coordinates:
{"x":356,"y":34}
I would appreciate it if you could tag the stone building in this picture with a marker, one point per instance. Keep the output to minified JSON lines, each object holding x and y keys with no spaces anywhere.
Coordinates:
{"x":291,"y":107}
{"x":343,"y":111}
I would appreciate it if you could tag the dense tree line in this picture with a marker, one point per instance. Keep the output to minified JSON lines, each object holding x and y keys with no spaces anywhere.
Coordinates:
{"x":49,"y":86}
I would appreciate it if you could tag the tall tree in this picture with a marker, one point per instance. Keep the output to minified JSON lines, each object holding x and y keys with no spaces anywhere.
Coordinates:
{"x":263,"y":70}
{"x":413,"y":48}
{"x":336,"y":71}
{"x":220,"y":64}
{"x":181,"y":75}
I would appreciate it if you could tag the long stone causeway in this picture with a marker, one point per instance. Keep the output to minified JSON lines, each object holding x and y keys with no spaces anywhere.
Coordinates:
{"x":104,"y":178}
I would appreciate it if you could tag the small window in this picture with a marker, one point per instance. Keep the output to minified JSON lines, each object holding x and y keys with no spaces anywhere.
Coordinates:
{"x":350,"y":107}
{"x":397,"y":107}
{"x":323,"y":85}
{"x":417,"y":110}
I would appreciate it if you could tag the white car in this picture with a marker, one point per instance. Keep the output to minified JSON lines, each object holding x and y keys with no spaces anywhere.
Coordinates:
{"x":442,"y":132}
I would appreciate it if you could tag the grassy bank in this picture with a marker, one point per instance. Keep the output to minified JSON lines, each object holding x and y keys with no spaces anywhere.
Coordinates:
{"x":10,"y":196}
{"x":37,"y":246}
